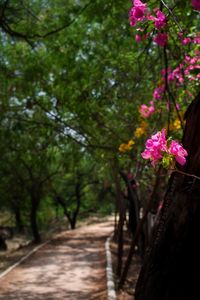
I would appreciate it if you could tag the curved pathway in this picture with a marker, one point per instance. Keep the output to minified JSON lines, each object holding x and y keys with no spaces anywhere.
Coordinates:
{"x":72,"y":266}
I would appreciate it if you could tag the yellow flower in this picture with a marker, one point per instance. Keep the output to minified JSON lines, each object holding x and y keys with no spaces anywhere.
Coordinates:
{"x":126,"y":147}
{"x":139,"y":132}
{"x":177,"y":124}
{"x":131,"y":143}
{"x":122,"y":148}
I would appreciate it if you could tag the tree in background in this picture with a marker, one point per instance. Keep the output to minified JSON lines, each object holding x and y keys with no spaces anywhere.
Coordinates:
{"x":63,"y":97}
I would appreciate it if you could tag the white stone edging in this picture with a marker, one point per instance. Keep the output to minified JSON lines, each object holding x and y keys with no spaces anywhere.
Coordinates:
{"x":22,"y":259}
{"x":109,"y":272}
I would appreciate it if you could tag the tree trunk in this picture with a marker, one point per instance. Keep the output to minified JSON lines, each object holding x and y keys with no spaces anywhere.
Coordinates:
{"x":33,"y":219}
{"x":121,"y":209}
{"x":18,"y":220}
{"x":171,"y":269}
{"x":78,"y":205}
{"x":133,"y":203}
{"x":73,"y":223}
{"x":3,"y":246}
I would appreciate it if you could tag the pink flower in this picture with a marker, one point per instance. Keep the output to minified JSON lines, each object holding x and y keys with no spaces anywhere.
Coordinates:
{"x":137,"y":12}
{"x":155,"y":146}
{"x":158,"y":92}
{"x":176,"y":74}
{"x":154,"y":156}
{"x":140,"y":4}
{"x":138,"y":38}
{"x":158,"y":141}
{"x":181,"y":66}
{"x":140,"y":35}
{"x":171,"y":76}
{"x":160,"y":20}
{"x":161,"y":39}
{"x":147,"y":111}
{"x":186,"y":41}
{"x":164,"y":71}
{"x":187,"y":59}
{"x":178,"y":151}
{"x":196,"y":39}
{"x":157,"y":150}
{"x":196,"y":4}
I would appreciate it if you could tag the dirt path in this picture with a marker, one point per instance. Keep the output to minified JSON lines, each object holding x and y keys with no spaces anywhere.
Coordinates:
{"x":70,"y":267}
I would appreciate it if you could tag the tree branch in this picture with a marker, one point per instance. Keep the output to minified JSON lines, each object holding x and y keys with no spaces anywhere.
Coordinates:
{"x":7,"y":29}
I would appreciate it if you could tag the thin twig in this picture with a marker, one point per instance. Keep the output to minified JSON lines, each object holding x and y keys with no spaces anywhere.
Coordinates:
{"x":184,"y":173}
{"x":172,"y":14}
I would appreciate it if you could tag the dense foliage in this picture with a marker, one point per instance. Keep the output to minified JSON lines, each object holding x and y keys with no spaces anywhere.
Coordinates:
{"x":80,"y":93}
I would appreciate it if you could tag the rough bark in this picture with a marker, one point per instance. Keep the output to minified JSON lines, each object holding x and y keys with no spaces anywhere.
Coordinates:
{"x":171,"y":269}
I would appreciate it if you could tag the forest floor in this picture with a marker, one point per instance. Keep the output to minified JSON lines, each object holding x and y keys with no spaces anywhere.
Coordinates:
{"x":71,"y":266}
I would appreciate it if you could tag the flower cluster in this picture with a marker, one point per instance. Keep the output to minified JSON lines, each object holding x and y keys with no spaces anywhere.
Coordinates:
{"x":185,"y":70}
{"x":178,"y":152}
{"x":147,"y":111}
{"x":126,"y":147}
{"x":160,"y":20}
{"x":159,"y":149}
{"x":140,"y":13}
{"x":158,"y":92}
{"x":137,"y":12}
{"x":161,"y":39}
{"x":192,"y":66}
{"x":194,"y":39}
{"x":155,"y":146}
{"x":188,"y":69}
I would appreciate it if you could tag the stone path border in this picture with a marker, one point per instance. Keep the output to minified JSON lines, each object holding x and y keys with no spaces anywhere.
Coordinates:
{"x":109,"y":271}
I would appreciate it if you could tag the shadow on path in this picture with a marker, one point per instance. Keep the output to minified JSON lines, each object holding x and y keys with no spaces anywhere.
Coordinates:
{"x":70,"y":267}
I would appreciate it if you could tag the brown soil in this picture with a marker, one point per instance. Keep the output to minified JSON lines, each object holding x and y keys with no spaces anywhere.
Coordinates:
{"x":72,"y":266}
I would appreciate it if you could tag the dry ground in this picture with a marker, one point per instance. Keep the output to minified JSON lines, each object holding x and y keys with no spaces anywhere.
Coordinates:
{"x":72,"y":266}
